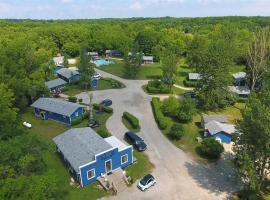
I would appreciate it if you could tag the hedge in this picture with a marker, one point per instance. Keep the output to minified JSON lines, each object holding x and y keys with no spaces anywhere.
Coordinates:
{"x":188,"y":83}
{"x":72,"y":99}
{"x":159,"y":117}
{"x":79,"y":119}
{"x":134,"y":122}
{"x":157,"y":87}
{"x":103,"y":108}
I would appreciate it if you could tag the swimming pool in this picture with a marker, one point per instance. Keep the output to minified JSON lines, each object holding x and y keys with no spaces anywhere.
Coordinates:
{"x":102,"y":62}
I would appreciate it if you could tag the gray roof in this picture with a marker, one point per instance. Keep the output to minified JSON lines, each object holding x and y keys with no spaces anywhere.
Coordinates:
{"x":148,"y":58}
{"x":194,"y":76}
{"x":215,"y":127}
{"x":240,"y":75}
{"x":58,"y":106}
{"x":55,"y":83}
{"x":80,"y":145}
{"x":218,"y":118}
{"x":92,"y":53}
{"x":241,"y":90}
{"x":68,"y":73}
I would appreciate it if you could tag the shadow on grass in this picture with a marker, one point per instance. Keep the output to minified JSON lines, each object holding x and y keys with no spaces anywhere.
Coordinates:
{"x":216,"y":177}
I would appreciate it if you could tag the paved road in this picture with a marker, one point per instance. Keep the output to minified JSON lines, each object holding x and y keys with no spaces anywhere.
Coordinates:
{"x":178,"y":176}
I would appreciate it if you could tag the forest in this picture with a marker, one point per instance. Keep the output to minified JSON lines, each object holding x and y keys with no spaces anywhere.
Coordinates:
{"x":28,"y":46}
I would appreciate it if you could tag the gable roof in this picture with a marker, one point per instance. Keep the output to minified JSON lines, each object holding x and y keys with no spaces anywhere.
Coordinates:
{"x":240,"y":75}
{"x":217,"y":118}
{"x":148,"y":58}
{"x":54,"y":83}
{"x":80,"y":145}
{"x":194,"y":76}
{"x":215,"y":127}
{"x":67,"y":73}
{"x":115,"y":142}
{"x":58,"y":106}
{"x":241,"y":90}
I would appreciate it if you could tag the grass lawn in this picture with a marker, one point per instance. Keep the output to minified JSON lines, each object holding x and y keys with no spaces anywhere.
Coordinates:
{"x":182,"y":74}
{"x":49,"y":129}
{"x":129,"y":127}
{"x":141,"y":168}
{"x":103,"y":84}
{"x":175,"y":91}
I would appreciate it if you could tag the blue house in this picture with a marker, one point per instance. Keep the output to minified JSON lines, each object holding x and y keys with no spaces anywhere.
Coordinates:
{"x":89,"y":156}
{"x":68,"y":75}
{"x":222,"y":132}
{"x":56,"y":84}
{"x":57,"y":109}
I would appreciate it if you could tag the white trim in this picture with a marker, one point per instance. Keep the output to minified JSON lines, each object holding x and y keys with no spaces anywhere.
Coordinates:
{"x":110,"y":160}
{"x":93,"y":175}
{"x":125,"y":148}
{"x":126,"y":160}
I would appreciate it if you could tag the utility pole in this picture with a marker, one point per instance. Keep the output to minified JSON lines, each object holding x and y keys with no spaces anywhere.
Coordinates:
{"x":90,"y":107}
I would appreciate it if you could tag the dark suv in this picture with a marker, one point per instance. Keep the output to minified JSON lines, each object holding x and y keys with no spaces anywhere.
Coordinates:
{"x":135,"y":140}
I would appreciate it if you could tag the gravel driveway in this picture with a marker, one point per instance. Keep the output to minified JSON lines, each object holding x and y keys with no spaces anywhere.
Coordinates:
{"x":178,"y":176}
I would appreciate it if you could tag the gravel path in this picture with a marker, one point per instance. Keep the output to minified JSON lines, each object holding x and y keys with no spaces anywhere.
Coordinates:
{"x":178,"y":176}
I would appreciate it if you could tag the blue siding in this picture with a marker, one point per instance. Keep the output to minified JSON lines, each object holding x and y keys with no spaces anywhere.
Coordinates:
{"x":225,"y":138}
{"x":77,"y":113}
{"x":99,"y":164}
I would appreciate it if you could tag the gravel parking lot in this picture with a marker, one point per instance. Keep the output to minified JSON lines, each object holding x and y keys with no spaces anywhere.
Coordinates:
{"x":178,"y":176}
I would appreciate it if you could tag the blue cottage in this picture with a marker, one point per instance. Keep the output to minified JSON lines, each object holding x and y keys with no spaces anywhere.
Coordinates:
{"x":89,"y":156}
{"x":57,"y":109}
{"x":68,"y":75}
{"x":56,"y":84}
{"x":222,"y":132}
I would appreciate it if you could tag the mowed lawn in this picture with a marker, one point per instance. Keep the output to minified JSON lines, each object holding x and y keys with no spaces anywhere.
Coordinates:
{"x":47,"y":130}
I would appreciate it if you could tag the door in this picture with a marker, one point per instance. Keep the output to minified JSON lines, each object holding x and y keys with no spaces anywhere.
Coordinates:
{"x":108,"y":166}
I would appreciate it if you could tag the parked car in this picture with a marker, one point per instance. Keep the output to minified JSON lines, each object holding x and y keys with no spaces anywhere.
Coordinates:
{"x":146,"y":182}
{"x":27,"y":125}
{"x":106,"y":102}
{"x":96,"y":75}
{"x":135,"y":140}
{"x":93,"y":124}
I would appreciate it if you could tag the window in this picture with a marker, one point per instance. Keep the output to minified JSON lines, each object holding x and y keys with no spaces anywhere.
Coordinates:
{"x":91,"y":174}
{"x":77,"y":114}
{"x":124,"y":159}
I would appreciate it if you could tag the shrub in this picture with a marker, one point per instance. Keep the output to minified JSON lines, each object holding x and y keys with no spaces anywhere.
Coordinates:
{"x":176,"y":131}
{"x":134,"y":122}
{"x":188,"y":83}
{"x":157,"y":86}
{"x":169,"y":106}
{"x":103,"y":133}
{"x":241,"y":100}
{"x":80,"y":100}
{"x":159,"y":117}
{"x":72,"y":99}
{"x":103,"y":108}
{"x":211,"y":148}
{"x":86,"y":115}
{"x":186,"y":110}
{"x":77,"y":121}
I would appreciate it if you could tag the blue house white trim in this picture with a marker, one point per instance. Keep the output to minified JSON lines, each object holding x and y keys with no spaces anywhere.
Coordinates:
{"x":86,"y":152}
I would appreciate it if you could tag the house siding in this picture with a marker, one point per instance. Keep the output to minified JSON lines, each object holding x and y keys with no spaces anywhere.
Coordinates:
{"x":99,"y":164}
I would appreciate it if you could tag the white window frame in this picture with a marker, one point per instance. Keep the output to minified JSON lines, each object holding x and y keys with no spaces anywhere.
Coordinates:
{"x":94,"y":174}
{"x":126,"y":160}
{"x":77,"y":114}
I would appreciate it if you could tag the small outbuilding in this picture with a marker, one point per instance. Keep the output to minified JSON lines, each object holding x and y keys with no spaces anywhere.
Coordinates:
{"x":59,"y":60}
{"x":194,"y":76}
{"x":148,"y":59}
{"x":56,"y":84}
{"x":112,"y":53}
{"x":68,"y":75}
{"x":57,"y":110}
{"x":222,"y":132}
{"x":89,"y":156}
{"x":240,"y":78}
{"x":72,"y":61}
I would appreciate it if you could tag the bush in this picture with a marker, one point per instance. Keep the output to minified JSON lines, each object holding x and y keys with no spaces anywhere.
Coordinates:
{"x":241,"y":100}
{"x":211,"y":148}
{"x":103,"y":108}
{"x":159,"y":117}
{"x":86,"y":115}
{"x":77,"y":121}
{"x":72,"y":99}
{"x":134,"y":122}
{"x":157,"y":87}
{"x":186,"y":110}
{"x":80,"y":100}
{"x":169,"y":106}
{"x":103,"y":133}
{"x":188,"y":83}
{"x":176,"y":131}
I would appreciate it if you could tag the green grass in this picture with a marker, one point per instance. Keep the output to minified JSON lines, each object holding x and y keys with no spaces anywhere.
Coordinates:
{"x":46,"y":130}
{"x":103,"y":84}
{"x":182,"y":74}
{"x":129,"y":127}
{"x":175,"y":91}
{"x":141,"y":168}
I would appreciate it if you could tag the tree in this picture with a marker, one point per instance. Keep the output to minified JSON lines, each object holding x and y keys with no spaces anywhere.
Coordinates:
{"x":133,"y":62}
{"x":186,"y":110}
{"x":252,"y":150}
{"x":258,"y":57}
{"x":212,"y":88}
{"x":86,"y":69}
{"x":211,"y":148}
{"x":169,"y":106}
{"x":176,"y":131}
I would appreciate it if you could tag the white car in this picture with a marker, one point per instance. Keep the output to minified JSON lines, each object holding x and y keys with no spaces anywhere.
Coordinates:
{"x":146,"y":182}
{"x":27,"y":125}
{"x":96,"y":75}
